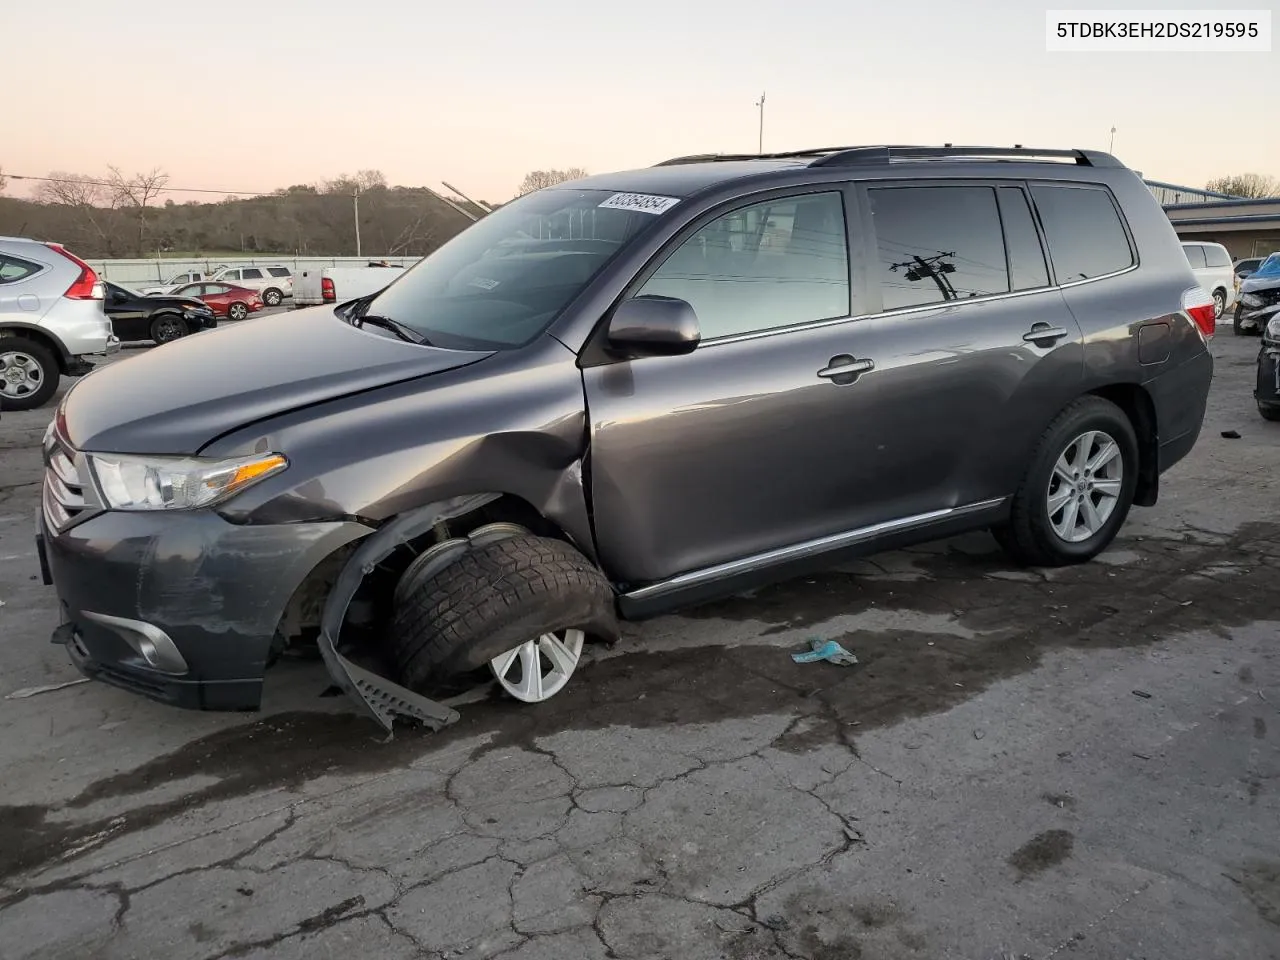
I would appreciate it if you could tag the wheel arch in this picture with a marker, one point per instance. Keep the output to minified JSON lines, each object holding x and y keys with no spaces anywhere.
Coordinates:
{"x":41,"y":336}
{"x":1136,"y":403}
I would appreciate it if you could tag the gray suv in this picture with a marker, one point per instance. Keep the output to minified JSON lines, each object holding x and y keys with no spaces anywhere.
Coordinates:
{"x":622,"y":395}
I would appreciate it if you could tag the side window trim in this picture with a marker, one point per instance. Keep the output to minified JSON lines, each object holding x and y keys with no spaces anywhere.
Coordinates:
{"x":854,"y":251}
{"x":1135,"y":259}
{"x":1021,"y":186}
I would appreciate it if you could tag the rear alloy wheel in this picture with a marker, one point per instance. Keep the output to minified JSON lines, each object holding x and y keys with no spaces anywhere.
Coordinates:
{"x":238,"y":310}
{"x":272,"y":297}
{"x":168,"y":327}
{"x":28,"y":374}
{"x":1077,"y":489}
{"x":1219,"y":303}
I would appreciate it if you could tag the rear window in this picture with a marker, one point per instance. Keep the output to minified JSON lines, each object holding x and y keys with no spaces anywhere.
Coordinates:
{"x":1083,"y":228}
{"x":1216,"y":256}
{"x":1195,"y":255}
{"x":251,"y":273}
{"x":937,"y":244}
{"x":278,"y":271}
{"x":13,"y":269}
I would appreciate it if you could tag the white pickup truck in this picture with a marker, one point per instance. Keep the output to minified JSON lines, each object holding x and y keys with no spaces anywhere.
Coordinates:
{"x":340,"y":284}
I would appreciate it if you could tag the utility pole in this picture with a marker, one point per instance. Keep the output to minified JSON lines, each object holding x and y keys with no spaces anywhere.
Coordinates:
{"x":1112,"y":146}
{"x":355,"y":199}
{"x":760,"y":104}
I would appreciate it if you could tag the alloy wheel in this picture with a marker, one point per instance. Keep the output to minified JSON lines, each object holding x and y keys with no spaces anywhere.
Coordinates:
{"x":1085,"y":486}
{"x":20,"y":374}
{"x":538,"y":669}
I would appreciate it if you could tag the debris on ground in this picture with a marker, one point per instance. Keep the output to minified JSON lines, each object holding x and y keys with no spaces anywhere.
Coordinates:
{"x":1231,"y":434}
{"x":46,"y":688}
{"x":1143,"y":694}
{"x":828,"y":650}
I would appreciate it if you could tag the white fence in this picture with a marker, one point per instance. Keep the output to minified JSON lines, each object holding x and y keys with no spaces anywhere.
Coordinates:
{"x":157,"y":271}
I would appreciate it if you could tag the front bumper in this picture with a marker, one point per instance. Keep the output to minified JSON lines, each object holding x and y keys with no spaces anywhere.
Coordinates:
{"x":181,"y":608}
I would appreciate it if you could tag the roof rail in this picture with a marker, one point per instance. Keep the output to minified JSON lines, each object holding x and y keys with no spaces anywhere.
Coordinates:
{"x":849,"y":156}
{"x":725,"y":157}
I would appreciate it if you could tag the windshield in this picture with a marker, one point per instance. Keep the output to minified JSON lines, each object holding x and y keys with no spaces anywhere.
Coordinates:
{"x":1270,"y":267}
{"x":130,"y":291}
{"x":502,"y":281}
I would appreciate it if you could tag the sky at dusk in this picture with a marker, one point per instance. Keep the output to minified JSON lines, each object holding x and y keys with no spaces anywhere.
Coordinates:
{"x":256,"y":95}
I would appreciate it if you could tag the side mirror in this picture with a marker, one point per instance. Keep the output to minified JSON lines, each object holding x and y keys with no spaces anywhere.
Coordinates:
{"x":653,"y":326}
{"x":118,"y":296}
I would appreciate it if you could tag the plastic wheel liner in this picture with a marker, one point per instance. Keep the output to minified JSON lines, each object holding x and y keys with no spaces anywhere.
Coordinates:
{"x":381,"y":698}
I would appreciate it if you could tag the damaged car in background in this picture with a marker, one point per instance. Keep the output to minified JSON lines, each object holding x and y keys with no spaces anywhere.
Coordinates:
{"x":620,"y":396}
{"x":1259,"y":299}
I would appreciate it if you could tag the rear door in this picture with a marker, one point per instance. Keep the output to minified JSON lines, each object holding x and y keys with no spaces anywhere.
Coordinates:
{"x":975,"y":348}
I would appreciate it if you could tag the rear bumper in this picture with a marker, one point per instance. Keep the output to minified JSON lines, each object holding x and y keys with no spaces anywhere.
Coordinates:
{"x":180,"y":608}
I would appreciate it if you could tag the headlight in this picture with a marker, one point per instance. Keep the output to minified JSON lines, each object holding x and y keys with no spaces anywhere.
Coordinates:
{"x":1251,"y":300}
{"x":177,"y":483}
{"x":1273,"y":328}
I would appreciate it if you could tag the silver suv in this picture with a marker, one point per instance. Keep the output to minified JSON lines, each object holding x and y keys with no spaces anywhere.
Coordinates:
{"x":51,"y":320}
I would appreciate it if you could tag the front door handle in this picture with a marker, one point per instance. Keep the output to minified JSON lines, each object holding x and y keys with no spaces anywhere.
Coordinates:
{"x":1042,"y":333}
{"x":845,"y":369}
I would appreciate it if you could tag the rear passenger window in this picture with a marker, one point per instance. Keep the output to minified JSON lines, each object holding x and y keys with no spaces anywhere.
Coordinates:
{"x":1083,"y":228}
{"x":772,"y":264}
{"x":250,"y":273}
{"x":1217,"y":256}
{"x":278,"y":271}
{"x":1026,"y":257}
{"x":937,"y":244}
{"x":1195,"y":256}
{"x":13,"y":269}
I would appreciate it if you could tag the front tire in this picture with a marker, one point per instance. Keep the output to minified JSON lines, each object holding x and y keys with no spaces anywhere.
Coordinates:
{"x":272,"y":297}
{"x":238,"y":310}
{"x":28,"y":373}
{"x":1269,"y":411}
{"x":518,"y":603}
{"x":1077,"y":489}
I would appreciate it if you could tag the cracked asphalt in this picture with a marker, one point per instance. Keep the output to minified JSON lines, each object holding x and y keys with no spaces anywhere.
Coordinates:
{"x":1023,"y":764}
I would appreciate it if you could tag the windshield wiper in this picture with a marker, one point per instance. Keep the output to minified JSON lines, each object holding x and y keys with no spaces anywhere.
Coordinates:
{"x":395,"y":326}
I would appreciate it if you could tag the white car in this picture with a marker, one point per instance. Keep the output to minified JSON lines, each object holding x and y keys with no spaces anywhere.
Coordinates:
{"x":1211,"y":263}
{"x":273,"y":282}
{"x":172,"y":284}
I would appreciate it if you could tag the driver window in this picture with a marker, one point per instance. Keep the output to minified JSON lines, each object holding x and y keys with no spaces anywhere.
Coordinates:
{"x":772,"y":264}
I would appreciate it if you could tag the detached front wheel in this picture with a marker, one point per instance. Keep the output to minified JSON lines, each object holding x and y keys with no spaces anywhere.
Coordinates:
{"x":520,"y":605}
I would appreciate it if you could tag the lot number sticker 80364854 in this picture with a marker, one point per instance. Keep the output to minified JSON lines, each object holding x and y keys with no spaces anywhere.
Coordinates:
{"x":639,"y":202}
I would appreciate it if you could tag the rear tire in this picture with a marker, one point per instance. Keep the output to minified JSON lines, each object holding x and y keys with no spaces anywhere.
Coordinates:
{"x":1219,"y":303}
{"x":491,"y":601}
{"x":168,"y":327}
{"x":1269,"y":411}
{"x":28,"y":373}
{"x":1070,"y":490}
{"x":272,"y":297}
{"x":238,"y":310}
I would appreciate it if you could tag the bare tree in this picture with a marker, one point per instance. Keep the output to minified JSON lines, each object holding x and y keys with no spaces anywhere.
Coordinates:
{"x":362,"y":181}
{"x":538,"y":179}
{"x":87,"y":196}
{"x":1248,"y":185}
{"x":136,"y":192}
{"x":4,"y":181}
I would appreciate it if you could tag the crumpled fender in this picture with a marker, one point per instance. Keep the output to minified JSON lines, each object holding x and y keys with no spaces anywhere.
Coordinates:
{"x":383,"y":699}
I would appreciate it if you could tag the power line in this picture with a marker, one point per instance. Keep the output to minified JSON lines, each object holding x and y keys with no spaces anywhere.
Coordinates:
{"x":164,"y":189}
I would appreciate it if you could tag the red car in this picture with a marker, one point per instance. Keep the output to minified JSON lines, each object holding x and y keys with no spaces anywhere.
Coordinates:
{"x":227,"y":300}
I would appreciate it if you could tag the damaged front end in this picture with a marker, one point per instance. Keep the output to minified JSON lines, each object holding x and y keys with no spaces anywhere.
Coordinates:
{"x":1259,"y":304}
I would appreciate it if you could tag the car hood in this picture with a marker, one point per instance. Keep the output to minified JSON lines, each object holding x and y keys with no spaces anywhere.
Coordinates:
{"x":1254,"y":283}
{"x":177,"y":398}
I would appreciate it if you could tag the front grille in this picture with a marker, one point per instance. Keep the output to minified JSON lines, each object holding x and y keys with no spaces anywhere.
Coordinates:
{"x":63,"y":489}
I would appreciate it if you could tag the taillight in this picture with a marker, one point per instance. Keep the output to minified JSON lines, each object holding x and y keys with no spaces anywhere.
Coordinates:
{"x":87,"y":286}
{"x":1201,"y":308}
{"x":327,"y":293}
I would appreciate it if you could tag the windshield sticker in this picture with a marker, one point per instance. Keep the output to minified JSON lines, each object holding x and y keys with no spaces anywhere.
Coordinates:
{"x":640,"y":202}
{"x":484,"y":283}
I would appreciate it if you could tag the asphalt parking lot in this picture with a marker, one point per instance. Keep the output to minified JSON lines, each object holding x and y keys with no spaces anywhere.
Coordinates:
{"x":1077,"y":763}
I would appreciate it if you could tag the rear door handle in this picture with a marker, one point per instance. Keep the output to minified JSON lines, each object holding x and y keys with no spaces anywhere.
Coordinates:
{"x":844,"y":366}
{"x":1042,"y":331}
